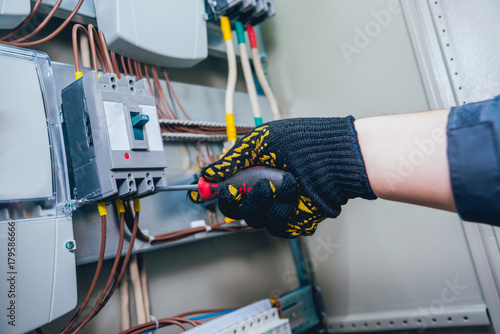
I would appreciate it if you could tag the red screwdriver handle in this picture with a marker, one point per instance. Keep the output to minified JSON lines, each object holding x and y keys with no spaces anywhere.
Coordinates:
{"x":244,"y":181}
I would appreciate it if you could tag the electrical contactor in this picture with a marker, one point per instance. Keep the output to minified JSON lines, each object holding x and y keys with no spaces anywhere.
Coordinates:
{"x":113,"y":138}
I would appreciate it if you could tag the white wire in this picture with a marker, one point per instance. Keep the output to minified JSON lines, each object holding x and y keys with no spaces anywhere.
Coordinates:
{"x":247,"y":71}
{"x":125,"y":303}
{"x":232,"y":77}
{"x":257,"y":64}
{"x":136,"y":287}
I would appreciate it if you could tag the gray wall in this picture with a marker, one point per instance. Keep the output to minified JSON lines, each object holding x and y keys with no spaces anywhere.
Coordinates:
{"x":377,"y":260}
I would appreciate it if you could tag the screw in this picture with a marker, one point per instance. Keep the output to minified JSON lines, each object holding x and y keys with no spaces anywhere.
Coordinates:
{"x":70,"y":245}
{"x":204,"y":16}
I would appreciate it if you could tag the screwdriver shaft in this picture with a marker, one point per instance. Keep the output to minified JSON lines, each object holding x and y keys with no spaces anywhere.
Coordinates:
{"x":178,"y":188}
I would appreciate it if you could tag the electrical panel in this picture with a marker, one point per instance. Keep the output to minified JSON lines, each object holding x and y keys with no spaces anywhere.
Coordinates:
{"x":38,"y":273}
{"x":257,"y":318}
{"x":13,"y":12}
{"x":247,"y":11}
{"x":171,"y":33}
{"x":113,"y":138}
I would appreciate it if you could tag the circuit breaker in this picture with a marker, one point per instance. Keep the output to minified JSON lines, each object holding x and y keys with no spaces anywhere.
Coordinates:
{"x":113,"y":138}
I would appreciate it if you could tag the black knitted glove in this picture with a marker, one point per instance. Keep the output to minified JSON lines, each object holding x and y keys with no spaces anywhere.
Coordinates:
{"x":324,"y":169}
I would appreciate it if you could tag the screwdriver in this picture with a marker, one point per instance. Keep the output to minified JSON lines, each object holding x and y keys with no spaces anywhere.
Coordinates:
{"x":244,"y":181}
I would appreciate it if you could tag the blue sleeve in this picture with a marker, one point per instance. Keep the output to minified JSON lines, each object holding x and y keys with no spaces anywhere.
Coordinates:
{"x":474,"y":159}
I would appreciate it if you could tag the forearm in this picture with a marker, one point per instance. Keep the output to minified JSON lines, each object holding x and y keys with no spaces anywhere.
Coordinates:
{"x":406,"y":158}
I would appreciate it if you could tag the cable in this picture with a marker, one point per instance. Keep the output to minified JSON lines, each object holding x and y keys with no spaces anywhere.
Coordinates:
{"x":24,"y":22}
{"x":138,"y":71}
{"x":160,"y":111}
{"x":171,"y":89}
{"x":144,"y":284}
{"x":259,"y":70}
{"x":211,"y":315}
{"x":136,"y":288}
{"x":161,"y":93}
{"x":102,"y":212}
{"x":125,"y":261}
{"x":76,"y":27}
{"x":115,"y":64}
{"x":152,"y":326}
{"x":53,"y":34}
{"x":41,"y":25}
{"x":201,"y":155}
{"x":130,"y":67}
{"x":124,"y":67}
{"x":121,"y":212}
{"x":125,"y":303}
{"x":93,"y":47}
{"x":232,"y":77}
{"x":105,"y":51}
{"x":247,"y":71}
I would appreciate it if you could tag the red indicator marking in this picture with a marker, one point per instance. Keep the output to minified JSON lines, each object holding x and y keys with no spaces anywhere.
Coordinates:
{"x":244,"y":189}
{"x":126,"y":155}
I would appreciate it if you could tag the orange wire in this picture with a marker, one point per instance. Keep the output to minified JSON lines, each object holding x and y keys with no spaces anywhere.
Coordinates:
{"x":173,"y":93}
{"x":160,"y":111}
{"x":123,"y":65}
{"x":77,"y":27}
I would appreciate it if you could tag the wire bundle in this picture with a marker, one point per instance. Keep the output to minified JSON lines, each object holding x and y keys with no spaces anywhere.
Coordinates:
{"x":178,"y":320}
{"x":181,"y":234}
{"x":7,"y":39}
{"x":117,"y":270}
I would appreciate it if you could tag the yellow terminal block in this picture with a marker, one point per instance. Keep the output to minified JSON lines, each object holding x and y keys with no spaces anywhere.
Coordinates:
{"x":119,"y":206}
{"x":78,"y":75}
{"x":137,"y":205}
{"x":101,"y":206}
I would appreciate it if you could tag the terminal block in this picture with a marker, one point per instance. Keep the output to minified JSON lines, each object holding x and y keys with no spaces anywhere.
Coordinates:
{"x":113,"y":139}
{"x":247,"y":11}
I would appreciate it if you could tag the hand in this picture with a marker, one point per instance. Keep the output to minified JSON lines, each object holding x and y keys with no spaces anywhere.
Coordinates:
{"x":324,"y":169}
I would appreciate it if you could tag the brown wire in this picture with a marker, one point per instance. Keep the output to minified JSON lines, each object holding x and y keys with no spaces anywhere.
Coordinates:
{"x":95,"y":279}
{"x":200,"y":153}
{"x":276,"y":302}
{"x":93,"y":47}
{"x":173,"y":93}
{"x":41,"y":25}
{"x":53,"y":34}
{"x":24,"y":22}
{"x":152,"y":325}
{"x":119,"y":250}
{"x":138,"y":69}
{"x":77,"y":27}
{"x":124,"y":67}
{"x":130,"y":67}
{"x":124,"y":263}
{"x":161,"y":93}
{"x":164,"y":114}
{"x":213,"y":158}
{"x":115,"y":64}
{"x":105,"y":51}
